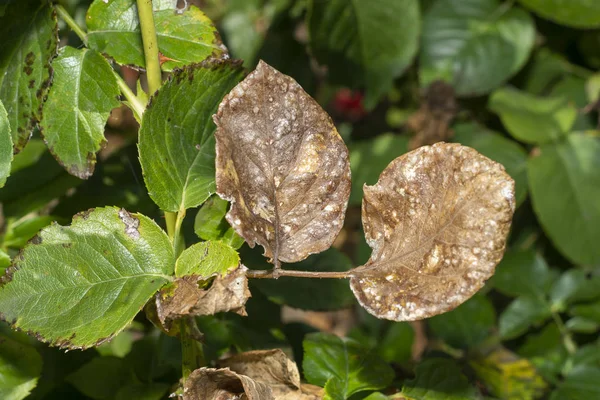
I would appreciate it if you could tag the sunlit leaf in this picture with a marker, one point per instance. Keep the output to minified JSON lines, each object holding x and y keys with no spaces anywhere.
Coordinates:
{"x":283,"y":166}
{"x":20,"y":369}
{"x":437,"y":222}
{"x":206,"y":259}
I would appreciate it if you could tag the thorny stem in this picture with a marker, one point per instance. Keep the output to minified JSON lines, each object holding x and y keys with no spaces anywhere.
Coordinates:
{"x":274,"y":274}
{"x":71,"y":23}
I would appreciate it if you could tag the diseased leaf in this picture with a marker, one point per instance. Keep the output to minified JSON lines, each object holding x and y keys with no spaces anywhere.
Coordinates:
{"x":20,"y":369}
{"x":78,"y":286}
{"x":6,"y":146}
{"x":176,"y":142}
{"x":206,"y":259}
{"x":274,"y":369}
{"x":437,"y":221}
{"x":283,"y":166}
{"x":28,"y":41}
{"x":183,"y":37}
{"x":185,"y":297}
{"x":218,"y":384}
{"x":84,"y":91}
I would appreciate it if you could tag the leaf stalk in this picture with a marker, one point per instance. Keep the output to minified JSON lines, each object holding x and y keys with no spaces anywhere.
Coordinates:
{"x":71,"y":23}
{"x":276,"y":273}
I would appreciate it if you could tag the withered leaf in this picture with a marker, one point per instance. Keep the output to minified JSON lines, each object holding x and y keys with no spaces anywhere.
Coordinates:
{"x":282,"y":164}
{"x":185,"y":297}
{"x":437,"y":221}
{"x":223,"y":384}
{"x":274,"y":369}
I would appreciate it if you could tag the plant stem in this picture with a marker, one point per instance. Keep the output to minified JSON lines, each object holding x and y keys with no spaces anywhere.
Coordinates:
{"x":150,"y":44}
{"x":191,"y":348}
{"x":566,"y":335}
{"x":71,"y":23}
{"x":178,"y":242}
{"x":136,"y":106}
{"x":272,"y":274}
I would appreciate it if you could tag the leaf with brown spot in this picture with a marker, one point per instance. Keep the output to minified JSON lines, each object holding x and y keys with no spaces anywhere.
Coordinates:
{"x":221,"y":384}
{"x":437,"y":221}
{"x":274,"y":369}
{"x":282,"y":164}
{"x":185,"y":296}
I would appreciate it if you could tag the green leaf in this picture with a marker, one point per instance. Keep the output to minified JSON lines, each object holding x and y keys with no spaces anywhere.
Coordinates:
{"x":143,"y":391}
{"x":396,"y":345}
{"x":467,"y":325}
{"x":546,"y":351}
{"x":588,"y":355}
{"x":328,"y":357}
{"x":84,"y":91}
{"x":572,"y":88}
{"x":210,"y":223}
{"x":522,"y":273}
{"x":369,"y":157}
{"x":592,"y":88}
{"x":303,"y":293}
{"x":476,"y":45}
{"x":376,"y":396}
{"x":573,"y":286}
{"x":28,"y":41}
{"x":533,"y":119}
{"x":364,"y":43}
{"x":119,"y":346}
{"x":437,"y":379}
{"x":19,"y":232}
{"x":575,"y":13}
{"x":101,"y":378}
{"x":20,"y":369}
{"x":521,"y":314}
{"x":80,"y":285}
{"x":184,"y":38}
{"x":582,"y":325}
{"x":589,"y":311}
{"x":176,"y":143}
{"x":580,"y":384}
{"x":207,"y":259}
{"x":565,"y":186}
{"x":30,"y":154}
{"x":498,"y":148}
{"x":4,"y":262}
{"x":6,"y":146}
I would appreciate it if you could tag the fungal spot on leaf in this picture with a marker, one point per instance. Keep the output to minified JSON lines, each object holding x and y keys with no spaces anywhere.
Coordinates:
{"x":131,"y":224}
{"x":437,"y":221}
{"x":282,"y":165}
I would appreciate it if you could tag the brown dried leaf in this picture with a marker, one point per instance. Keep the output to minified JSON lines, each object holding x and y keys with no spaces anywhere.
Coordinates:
{"x":223,"y":384}
{"x":274,"y":369}
{"x":282,"y":164}
{"x":184,"y":297}
{"x":437,"y":221}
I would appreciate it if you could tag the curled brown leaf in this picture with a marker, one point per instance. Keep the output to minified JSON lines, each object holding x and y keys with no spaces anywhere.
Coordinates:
{"x":282,"y":164}
{"x":221,"y":384}
{"x":437,"y":221}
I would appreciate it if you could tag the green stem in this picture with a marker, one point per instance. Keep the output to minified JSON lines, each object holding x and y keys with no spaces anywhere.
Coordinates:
{"x":566,"y":335}
{"x":150,"y":44}
{"x":191,"y":347}
{"x":71,"y":23}
{"x":178,"y":242}
{"x":136,"y":106}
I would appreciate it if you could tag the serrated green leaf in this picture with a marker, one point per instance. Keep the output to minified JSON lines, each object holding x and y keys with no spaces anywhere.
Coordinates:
{"x":84,"y":91}
{"x":20,"y":369}
{"x":369,"y":157}
{"x":572,"y":286}
{"x":18,"y":232}
{"x":475,"y":45}
{"x":521,"y":314}
{"x":176,"y":143}
{"x":467,"y":325}
{"x":575,"y":13}
{"x":183,"y":38}
{"x":328,"y":357}
{"x":499,"y":149}
{"x":207,"y":259}
{"x":302,"y":293}
{"x":364,"y":43}
{"x":522,"y":273}
{"x":101,"y":378}
{"x":580,"y":384}
{"x":565,"y":185}
{"x":6,"y":146}
{"x":79,"y":285}
{"x":533,"y":119}
{"x":210,"y":223}
{"x":28,"y":41}
{"x":437,"y":379}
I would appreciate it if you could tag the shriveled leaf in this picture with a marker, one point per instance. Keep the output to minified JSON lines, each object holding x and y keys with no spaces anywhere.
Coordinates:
{"x":283,"y":166}
{"x":328,"y":358}
{"x":28,"y":41}
{"x":439,"y":379}
{"x":84,"y":91}
{"x":575,"y":13}
{"x":274,"y":369}
{"x":6,"y":146}
{"x":437,"y":222}
{"x":78,"y":286}
{"x":185,"y":297}
{"x":210,"y":223}
{"x":176,"y":143}
{"x":183,"y":38}
{"x":20,"y":369}
{"x":218,"y":384}
{"x":206,"y":259}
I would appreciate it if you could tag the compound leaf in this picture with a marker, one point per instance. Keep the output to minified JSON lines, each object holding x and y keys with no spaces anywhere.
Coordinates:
{"x":437,"y":221}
